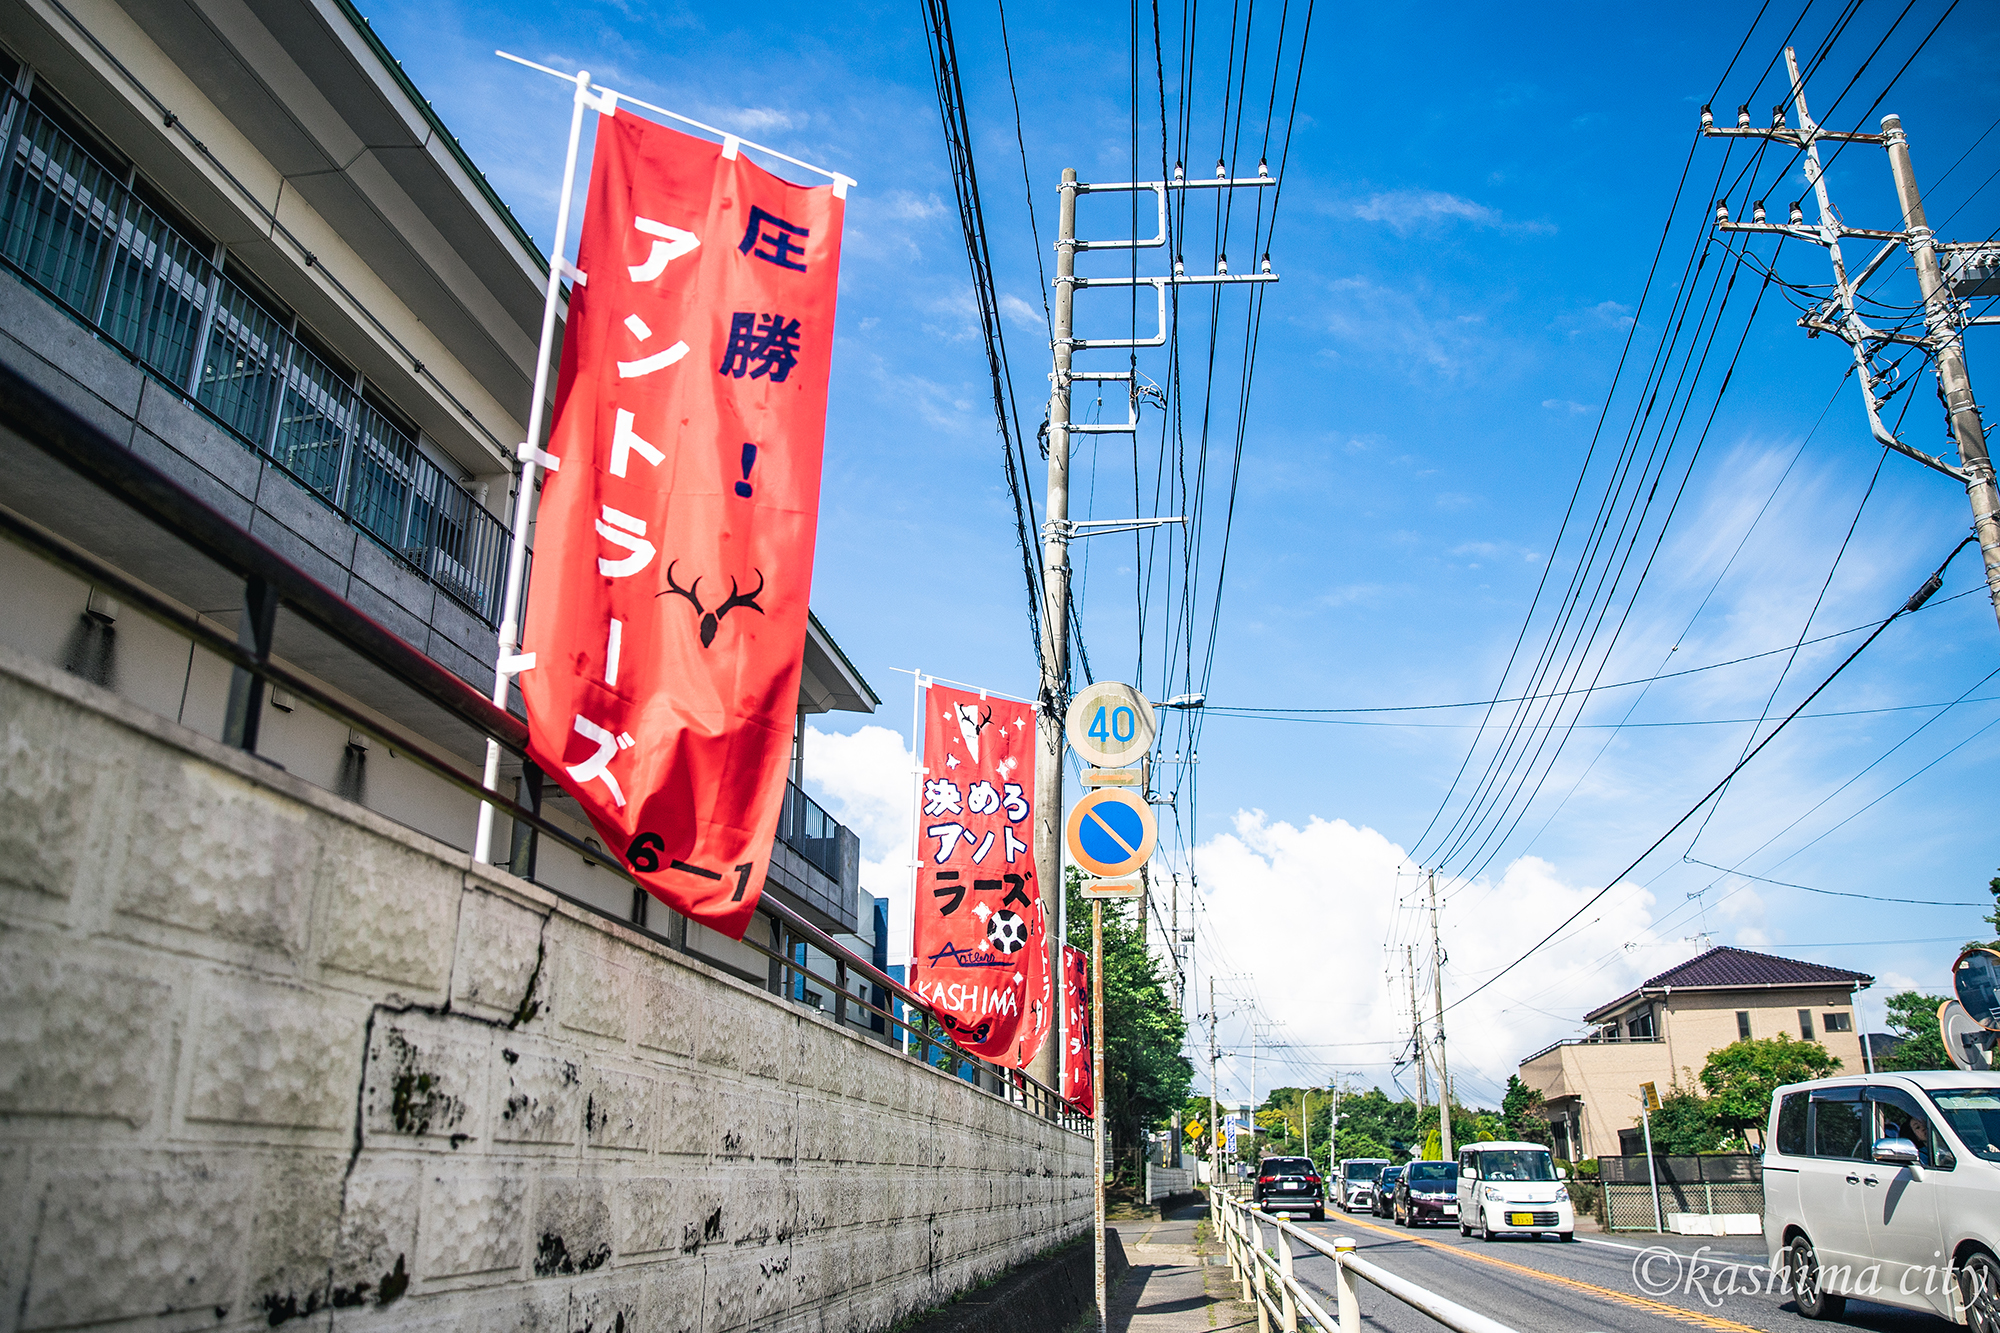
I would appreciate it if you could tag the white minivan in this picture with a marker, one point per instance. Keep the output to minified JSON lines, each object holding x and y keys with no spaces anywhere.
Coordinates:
{"x":1886,"y":1187}
{"x":1512,"y":1189}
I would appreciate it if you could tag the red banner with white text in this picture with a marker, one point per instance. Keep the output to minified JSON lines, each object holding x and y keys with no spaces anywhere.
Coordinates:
{"x":674,"y":543}
{"x":979,"y":952}
{"x":1077,"y":1087}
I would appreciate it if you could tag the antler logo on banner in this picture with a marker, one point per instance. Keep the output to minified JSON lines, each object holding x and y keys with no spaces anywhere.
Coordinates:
{"x":979,"y":955}
{"x":1076,"y":1080}
{"x":690,"y":416}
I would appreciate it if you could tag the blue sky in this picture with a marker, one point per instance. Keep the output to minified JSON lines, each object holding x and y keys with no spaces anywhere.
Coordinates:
{"x":1469,"y":213}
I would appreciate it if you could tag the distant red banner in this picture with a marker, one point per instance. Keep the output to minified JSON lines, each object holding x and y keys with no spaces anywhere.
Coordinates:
{"x":674,"y":543}
{"x":1077,"y":1089}
{"x":979,"y":953}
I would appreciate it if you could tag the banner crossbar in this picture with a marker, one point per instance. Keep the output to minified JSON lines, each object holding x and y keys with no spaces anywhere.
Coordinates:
{"x":842,"y":182}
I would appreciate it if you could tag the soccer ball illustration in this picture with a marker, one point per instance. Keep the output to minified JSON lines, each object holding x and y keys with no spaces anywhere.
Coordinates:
{"x":1007,"y":932}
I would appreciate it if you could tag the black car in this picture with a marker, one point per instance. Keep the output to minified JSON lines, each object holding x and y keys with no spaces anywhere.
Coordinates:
{"x":1426,"y":1193}
{"x":1289,"y":1185}
{"x":1385,"y":1191}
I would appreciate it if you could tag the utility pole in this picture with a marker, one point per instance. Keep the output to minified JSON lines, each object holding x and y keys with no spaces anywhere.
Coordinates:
{"x":1417,"y":1033}
{"x":1054,"y":695}
{"x":1944,"y":318}
{"x":1444,"y":1070}
{"x":1097,"y":1095}
{"x":1214,"y":1126}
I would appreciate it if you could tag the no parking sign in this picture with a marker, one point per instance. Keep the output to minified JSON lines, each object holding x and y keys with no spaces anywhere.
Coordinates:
{"x":1111,"y":832}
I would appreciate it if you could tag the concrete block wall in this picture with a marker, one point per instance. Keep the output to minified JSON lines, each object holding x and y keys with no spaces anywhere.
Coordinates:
{"x":268,"y":1058}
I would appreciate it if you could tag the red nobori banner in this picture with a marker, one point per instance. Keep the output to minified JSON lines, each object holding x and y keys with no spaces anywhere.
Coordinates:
{"x":1076,"y":1080}
{"x":674,"y":544}
{"x":979,"y":953}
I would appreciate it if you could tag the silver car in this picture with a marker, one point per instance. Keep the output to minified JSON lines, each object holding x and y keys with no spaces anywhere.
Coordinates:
{"x":1886,"y":1187}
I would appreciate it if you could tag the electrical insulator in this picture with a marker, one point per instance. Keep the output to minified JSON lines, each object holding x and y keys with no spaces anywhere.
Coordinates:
{"x":1220,"y":173}
{"x":1267,"y":261}
{"x":1179,"y":267}
{"x":1757,"y":212}
{"x":1222,"y":263}
{"x":1178,"y":173}
{"x":1263,"y":169}
{"x":1707,"y":119}
{"x":1743,"y":116}
{"x":1722,"y":214}
{"x":1777,"y":117}
{"x":1798,"y":214}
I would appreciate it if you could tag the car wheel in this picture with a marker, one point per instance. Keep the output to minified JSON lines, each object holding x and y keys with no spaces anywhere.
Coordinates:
{"x":1565,"y":1236}
{"x":1802,"y":1269}
{"x":1319,"y":1214}
{"x":1485,"y":1228}
{"x":1463,"y":1229}
{"x":1979,"y":1291}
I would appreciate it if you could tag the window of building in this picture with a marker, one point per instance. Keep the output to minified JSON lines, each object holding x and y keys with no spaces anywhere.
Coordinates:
{"x":1805,"y":1024}
{"x":1641,"y":1026}
{"x":1743,"y":1025}
{"x":1837,"y":1022}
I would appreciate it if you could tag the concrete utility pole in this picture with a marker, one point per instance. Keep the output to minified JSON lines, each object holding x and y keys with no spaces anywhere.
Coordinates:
{"x":1417,"y":1033}
{"x":1444,"y":1070}
{"x":1214,"y":1126}
{"x":1947,"y":344}
{"x":1944,"y":317}
{"x":1055,"y":612}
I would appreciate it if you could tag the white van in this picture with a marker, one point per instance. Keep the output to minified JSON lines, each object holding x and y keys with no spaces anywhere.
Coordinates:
{"x":1512,"y":1189}
{"x":1355,"y":1181}
{"x":1886,"y":1187}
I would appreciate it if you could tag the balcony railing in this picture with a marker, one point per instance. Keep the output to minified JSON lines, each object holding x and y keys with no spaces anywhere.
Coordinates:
{"x":72,"y":227}
{"x":810,"y":831}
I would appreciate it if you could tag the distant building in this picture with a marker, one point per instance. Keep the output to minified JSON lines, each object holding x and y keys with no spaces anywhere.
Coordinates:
{"x":1670,"y":1024}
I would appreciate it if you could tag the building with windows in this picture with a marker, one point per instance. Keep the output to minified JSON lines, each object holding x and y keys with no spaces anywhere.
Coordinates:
{"x":1662,"y":1032}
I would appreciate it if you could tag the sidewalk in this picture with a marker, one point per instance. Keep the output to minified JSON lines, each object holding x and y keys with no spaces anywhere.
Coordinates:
{"x":1170,"y":1288}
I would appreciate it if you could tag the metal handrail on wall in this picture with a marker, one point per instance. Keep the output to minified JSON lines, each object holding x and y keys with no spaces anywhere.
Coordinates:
{"x":271,"y":580}
{"x":1283,"y":1302}
{"x":74,"y":229}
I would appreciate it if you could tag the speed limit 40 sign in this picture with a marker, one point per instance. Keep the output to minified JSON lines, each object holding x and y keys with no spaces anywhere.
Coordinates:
{"x":1110,"y":725}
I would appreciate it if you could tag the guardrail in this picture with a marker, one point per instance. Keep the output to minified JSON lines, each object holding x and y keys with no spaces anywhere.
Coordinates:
{"x":271,"y":580}
{"x":1283,"y":1302}
{"x":86,"y":238}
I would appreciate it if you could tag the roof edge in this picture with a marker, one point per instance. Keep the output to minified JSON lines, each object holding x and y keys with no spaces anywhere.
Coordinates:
{"x":359,"y":22}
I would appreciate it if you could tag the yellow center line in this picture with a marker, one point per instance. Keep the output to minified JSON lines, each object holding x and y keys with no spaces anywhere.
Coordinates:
{"x":1685,"y":1316}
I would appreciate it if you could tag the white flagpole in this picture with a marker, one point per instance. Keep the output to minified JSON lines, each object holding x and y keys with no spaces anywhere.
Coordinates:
{"x":531,"y":456}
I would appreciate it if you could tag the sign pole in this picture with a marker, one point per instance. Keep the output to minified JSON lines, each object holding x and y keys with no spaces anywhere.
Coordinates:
{"x":1648,"y":1100}
{"x":1097,"y":1090}
{"x":530,"y":455}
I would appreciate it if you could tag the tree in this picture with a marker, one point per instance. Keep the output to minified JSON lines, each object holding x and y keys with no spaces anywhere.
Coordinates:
{"x":1146,"y":1075}
{"x":1685,"y":1125}
{"x":1913,"y":1017}
{"x":1521,"y":1113}
{"x":1741,"y":1077}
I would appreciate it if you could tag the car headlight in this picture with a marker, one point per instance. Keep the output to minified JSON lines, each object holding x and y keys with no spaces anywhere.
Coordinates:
{"x":1562,"y":1194}
{"x":1488,"y":1193}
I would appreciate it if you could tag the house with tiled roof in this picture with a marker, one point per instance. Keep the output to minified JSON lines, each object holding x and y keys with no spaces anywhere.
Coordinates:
{"x":1665,"y":1029}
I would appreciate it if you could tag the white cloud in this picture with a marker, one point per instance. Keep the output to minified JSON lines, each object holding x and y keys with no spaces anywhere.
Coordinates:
{"x":914,"y":207}
{"x":1307,"y":906}
{"x":1565,"y":405}
{"x":1403,"y":210}
{"x":863,"y":780}
{"x":1022,"y":315}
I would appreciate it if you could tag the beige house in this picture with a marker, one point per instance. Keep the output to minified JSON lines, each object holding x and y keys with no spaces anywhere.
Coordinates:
{"x":1666,"y":1028}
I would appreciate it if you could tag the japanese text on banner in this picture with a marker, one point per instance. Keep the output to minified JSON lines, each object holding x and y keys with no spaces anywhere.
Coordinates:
{"x":1077,"y":1087}
{"x":674,"y":540}
{"x":979,"y":954}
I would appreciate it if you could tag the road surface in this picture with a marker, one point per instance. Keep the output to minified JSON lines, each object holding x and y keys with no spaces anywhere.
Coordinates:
{"x":1596,"y":1284}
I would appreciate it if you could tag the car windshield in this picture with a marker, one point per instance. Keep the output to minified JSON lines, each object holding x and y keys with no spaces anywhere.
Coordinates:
{"x":1974,"y":1115}
{"x":1432,"y":1173}
{"x":1516,"y":1164}
{"x":1365,"y":1170}
{"x":1287,"y":1166}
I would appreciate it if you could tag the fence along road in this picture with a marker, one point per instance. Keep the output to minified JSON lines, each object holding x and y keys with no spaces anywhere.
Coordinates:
{"x":1535,"y":1285}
